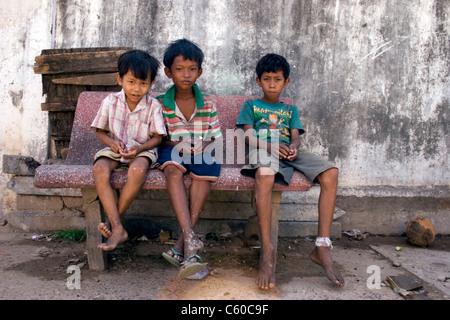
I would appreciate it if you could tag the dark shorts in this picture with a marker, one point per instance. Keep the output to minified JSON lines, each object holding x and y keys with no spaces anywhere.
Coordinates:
{"x":308,"y":163}
{"x":199,"y":167}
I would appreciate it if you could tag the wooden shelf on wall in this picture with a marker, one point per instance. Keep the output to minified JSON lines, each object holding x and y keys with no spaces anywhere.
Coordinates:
{"x":102,"y":79}
{"x":65,"y":74}
{"x":78,"y":60}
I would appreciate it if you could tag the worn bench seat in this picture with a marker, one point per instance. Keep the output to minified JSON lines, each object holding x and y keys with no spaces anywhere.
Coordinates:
{"x":80,"y":176}
{"x":77,"y":170}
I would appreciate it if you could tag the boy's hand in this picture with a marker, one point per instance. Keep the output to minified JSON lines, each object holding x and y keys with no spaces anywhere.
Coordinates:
{"x":293,"y":153}
{"x":181,"y":146}
{"x":198,"y":148}
{"x":129,"y":153}
{"x":285,"y":151}
{"x":117,"y":147}
{"x":279,"y":150}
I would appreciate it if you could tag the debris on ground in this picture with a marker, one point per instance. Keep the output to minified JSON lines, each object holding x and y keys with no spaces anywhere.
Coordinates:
{"x":355,"y":234}
{"x":164,"y":236}
{"x":406,"y":286}
{"x":142,"y":238}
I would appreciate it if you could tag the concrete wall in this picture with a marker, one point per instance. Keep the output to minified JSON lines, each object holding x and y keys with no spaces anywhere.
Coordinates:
{"x":371,"y":79}
{"x":26,"y":29}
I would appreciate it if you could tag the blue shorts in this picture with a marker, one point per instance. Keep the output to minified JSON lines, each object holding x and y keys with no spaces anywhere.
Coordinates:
{"x":199,"y":167}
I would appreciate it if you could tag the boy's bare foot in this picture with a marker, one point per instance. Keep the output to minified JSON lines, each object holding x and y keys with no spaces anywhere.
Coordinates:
{"x":266,"y":273}
{"x":322,"y":257}
{"x":104,"y":229}
{"x":118,"y":235}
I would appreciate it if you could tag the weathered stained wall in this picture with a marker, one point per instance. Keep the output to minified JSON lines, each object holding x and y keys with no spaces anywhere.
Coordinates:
{"x":371,"y":77}
{"x":26,"y":29}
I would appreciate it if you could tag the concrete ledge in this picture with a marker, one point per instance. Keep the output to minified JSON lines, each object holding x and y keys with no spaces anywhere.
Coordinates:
{"x":45,"y":222}
{"x":287,"y":229}
{"x":25,"y":185}
{"x":385,"y":212}
{"x":397,"y":192}
{"x":290,"y":229}
{"x":19,"y":165}
{"x":151,"y":226}
{"x":390,"y":215}
{"x":294,"y":206}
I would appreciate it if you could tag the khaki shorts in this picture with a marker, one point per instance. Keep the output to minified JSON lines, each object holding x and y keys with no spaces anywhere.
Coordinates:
{"x":308,"y":163}
{"x":108,"y":153}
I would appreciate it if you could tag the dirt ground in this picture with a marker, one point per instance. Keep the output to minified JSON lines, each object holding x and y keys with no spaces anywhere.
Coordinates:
{"x":34,"y":267}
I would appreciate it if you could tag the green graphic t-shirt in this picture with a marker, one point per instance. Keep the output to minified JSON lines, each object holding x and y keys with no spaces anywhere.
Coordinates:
{"x":269,"y":120}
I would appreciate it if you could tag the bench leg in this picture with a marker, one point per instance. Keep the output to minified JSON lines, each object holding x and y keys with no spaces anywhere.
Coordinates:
{"x":276,"y":200}
{"x":93,"y":216}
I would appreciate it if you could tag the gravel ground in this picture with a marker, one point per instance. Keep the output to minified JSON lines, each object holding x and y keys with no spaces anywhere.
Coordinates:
{"x":35,"y":267}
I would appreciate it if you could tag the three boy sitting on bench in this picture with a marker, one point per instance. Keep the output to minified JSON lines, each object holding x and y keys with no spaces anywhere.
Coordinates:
{"x":183,"y":123}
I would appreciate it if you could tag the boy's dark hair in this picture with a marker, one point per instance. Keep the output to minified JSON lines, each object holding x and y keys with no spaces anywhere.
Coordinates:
{"x":273,"y":63}
{"x":186,"y":48}
{"x":140,"y":63}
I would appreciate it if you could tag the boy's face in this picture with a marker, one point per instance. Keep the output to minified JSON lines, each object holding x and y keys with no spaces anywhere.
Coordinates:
{"x":272,"y":84}
{"x":184,"y":73}
{"x":135,"y":89}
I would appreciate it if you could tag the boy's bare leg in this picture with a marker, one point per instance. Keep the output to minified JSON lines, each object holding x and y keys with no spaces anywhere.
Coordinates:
{"x":135,"y":177}
{"x":198,"y":195}
{"x":102,"y":173}
{"x":264,"y":180}
{"x":188,"y":242}
{"x":327,"y":200}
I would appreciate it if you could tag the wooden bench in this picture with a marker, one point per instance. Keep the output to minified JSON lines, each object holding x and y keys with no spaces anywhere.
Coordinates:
{"x":77,"y":170}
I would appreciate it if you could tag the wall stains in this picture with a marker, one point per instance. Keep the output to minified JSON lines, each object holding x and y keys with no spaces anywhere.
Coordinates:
{"x":16,"y":98}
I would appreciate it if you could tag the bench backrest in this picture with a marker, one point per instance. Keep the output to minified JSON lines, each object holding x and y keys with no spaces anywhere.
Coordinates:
{"x":84,"y":142}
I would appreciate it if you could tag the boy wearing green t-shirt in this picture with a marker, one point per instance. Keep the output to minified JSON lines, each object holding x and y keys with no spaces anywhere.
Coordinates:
{"x":276,"y":130}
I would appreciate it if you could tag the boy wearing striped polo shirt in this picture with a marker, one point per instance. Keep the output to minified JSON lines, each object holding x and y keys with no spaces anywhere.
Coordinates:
{"x":192,"y":124}
{"x":131,"y":126}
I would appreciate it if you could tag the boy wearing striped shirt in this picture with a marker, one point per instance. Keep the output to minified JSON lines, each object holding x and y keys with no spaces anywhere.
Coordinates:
{"x":131,"y":125}
{"x":192,"y":124}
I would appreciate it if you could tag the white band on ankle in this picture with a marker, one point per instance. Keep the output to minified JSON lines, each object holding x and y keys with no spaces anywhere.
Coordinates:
{"x":323,"y":242}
